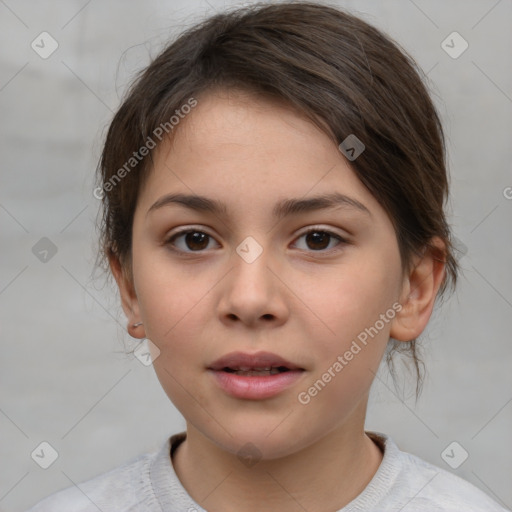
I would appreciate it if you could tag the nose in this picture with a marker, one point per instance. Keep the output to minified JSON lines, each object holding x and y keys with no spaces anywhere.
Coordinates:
{"x":253,"y":293}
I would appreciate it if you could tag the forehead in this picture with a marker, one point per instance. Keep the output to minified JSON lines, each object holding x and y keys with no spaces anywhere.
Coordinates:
{"x":246,"y":119}
{"x":244,"y":149}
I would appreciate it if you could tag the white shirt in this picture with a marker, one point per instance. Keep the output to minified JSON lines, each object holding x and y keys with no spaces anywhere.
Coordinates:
{"x":148,"y":483}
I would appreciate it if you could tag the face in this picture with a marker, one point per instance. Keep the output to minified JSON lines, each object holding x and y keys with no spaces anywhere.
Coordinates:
{"x":303,"y":285}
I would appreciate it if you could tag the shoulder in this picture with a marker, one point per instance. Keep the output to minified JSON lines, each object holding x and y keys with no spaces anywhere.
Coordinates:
{"x":424,"y":486}
{"x":406,"y":482}
{"x":121,"y":489}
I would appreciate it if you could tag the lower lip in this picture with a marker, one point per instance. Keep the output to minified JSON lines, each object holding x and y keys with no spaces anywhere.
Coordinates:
{"x":256,"y":387}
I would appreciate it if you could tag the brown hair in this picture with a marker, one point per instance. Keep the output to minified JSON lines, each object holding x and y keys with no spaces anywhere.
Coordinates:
{"x":342,"y":73}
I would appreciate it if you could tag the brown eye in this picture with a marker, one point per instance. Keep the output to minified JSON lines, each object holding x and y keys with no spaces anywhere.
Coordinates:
{"x":196,"y":240}
{"x":192,"y":241}
{"x":319,"y":240}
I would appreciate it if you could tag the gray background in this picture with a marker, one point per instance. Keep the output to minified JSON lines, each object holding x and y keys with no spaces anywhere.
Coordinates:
{"x":65,"y":376}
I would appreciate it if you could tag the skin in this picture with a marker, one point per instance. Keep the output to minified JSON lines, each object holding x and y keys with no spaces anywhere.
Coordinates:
{"x":301,"y":300}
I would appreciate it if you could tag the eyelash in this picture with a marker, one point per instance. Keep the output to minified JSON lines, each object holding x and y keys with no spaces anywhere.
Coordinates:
{"x":170,"y":241}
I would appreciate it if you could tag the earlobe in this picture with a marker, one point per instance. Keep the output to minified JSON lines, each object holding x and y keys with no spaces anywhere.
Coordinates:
{"x":419,"y":292}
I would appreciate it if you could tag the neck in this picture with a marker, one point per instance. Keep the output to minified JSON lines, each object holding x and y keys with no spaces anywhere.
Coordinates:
{"x":326,"y":475}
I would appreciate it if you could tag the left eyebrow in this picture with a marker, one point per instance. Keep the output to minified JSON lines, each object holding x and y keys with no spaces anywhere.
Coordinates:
{"x":282,"y":209}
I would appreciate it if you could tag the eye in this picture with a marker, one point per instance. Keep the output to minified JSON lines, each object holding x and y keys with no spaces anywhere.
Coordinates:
{"x":319,"y":239}
{"x":194,"y":239}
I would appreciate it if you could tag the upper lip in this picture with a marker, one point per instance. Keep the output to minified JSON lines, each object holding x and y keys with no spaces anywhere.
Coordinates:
{"x":243,"y":360}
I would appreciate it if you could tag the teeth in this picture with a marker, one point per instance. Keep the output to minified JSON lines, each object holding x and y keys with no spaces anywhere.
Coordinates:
{"x":250,"y":371}
{"x":256,"y":372}
{"x":247,"y":368}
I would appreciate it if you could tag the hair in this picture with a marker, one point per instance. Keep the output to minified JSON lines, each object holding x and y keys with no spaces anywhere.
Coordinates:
{"x":343,"y":74}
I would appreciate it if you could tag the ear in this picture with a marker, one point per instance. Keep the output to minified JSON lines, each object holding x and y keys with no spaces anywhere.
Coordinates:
{"x":419,"y":291}
{"x":129,"y":301}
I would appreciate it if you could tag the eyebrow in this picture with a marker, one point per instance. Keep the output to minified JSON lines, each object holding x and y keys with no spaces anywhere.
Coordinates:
{"x":282,"y":209}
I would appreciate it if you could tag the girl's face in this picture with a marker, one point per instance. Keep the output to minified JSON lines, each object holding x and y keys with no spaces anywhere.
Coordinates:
{"x":252,"y":280}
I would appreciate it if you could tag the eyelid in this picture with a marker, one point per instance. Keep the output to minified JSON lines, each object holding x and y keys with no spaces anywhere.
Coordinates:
{"x":343,"y":240}
{"x":323,"y":229}
{"x":184,"y":231}
{"x":191,"y":227}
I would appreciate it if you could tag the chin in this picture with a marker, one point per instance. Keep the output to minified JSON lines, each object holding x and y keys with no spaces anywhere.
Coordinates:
{"x":251,"y":442}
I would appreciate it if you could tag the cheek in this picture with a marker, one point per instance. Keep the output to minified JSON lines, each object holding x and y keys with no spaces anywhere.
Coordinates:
{"x":354,"y":299}
{"x":356,"y":313}
{"x":175,"y":323}
{"x":176,"y":326}
{"x":169,"y":297}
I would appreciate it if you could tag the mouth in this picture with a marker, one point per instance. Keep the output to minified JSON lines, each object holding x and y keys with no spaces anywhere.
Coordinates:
{"x":259,"y":363}
{"x":255,"y":372}
{"x":255,"y":376}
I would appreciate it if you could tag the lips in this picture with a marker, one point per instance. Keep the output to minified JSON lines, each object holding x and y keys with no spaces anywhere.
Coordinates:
{"x":260,"y":363}
{"x":257,"y":376}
